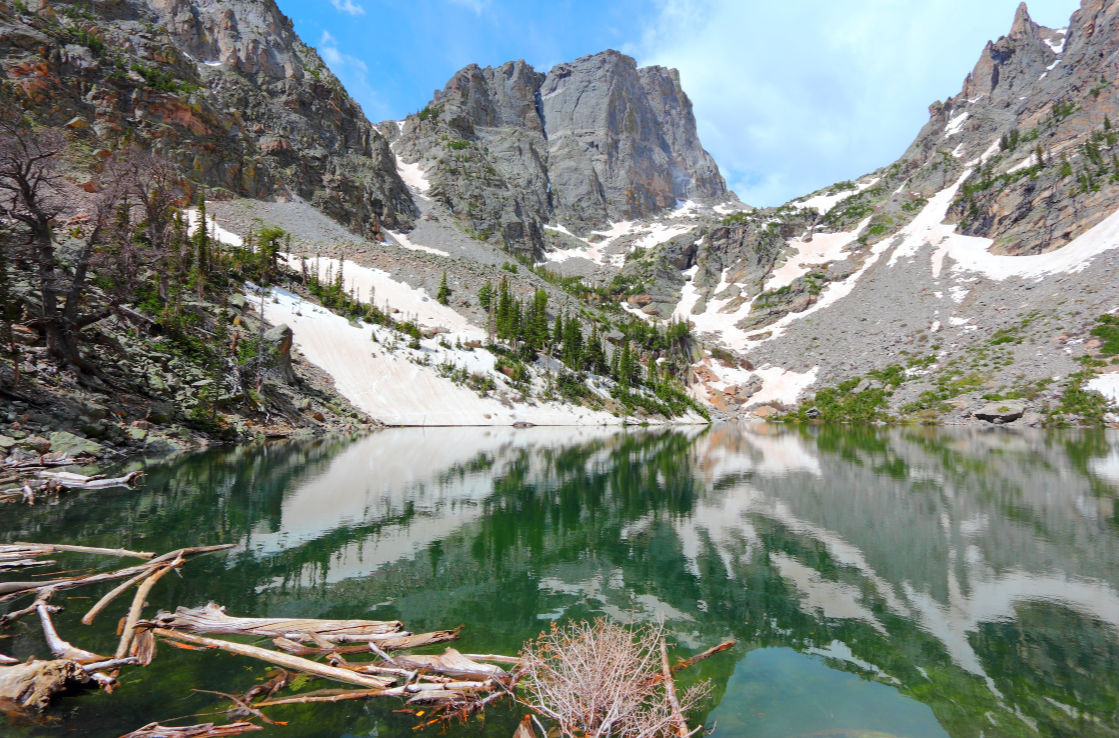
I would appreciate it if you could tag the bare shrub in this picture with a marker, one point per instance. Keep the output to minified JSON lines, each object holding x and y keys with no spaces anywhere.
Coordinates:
{"x":602,"y":680}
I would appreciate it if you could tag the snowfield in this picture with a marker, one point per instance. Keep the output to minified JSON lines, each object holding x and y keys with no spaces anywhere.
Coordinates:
{"x":375,"y":370}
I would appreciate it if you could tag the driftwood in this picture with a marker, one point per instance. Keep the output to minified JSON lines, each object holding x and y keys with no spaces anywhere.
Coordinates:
{"x":53,"y":482}
{"x":69,"y":480}
{"x":42,"y":549}
{"x":457,"y":685}
{"x":395,"y":643}
{"x":212,"y":619}
{"x":9,"y":590}
{"x":32,"y":684}
{"x":205,"y":730}
{"x":138,"y":605}
{"x":451,"y":663}
{"x":295,"y":663}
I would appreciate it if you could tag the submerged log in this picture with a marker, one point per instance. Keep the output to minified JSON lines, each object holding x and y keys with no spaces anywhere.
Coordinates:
{"x":212,"y":619}
{"x":69,"y":480}
{"x":32,"y":684}
{"x":204,"y":730}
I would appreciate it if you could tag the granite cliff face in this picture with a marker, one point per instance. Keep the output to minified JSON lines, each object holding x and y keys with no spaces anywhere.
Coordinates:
{"x":593,"y":141}
{"x":225,"y":89}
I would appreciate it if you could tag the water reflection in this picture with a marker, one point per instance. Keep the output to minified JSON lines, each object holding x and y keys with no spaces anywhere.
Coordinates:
{"x":905,"y":581}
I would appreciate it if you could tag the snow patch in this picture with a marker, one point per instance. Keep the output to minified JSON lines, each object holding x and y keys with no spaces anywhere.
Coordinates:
{"x":413,"y":175}
{"x":1057,"y":47}
{"x":405,"y":242}
{"x":214,"y":230}
{"x":955,"y":125}
{"x":823,"y":248}
{"x":824,"y":203}
{"x":1107,"y":385}
{"x":782,"y":385}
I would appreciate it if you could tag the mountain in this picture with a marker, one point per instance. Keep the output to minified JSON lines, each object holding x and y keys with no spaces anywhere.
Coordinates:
{"x":225,"y":89}
{"x":975,"y":268}
{"x":594,"y":141}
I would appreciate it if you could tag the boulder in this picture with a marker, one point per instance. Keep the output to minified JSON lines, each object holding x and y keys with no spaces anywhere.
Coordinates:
{"x":1001,"y":411}
{"x":279,"y":341}
{"x":68,"y":444}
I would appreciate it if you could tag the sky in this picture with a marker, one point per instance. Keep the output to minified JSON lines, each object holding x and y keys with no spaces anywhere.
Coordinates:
{"x":789,"y":97}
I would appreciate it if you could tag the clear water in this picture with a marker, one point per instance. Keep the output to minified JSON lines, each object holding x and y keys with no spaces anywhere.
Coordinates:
{"x":894,"y":582}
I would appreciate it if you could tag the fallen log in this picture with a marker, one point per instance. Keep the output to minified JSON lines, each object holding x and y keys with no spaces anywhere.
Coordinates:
{"x":295,"y":663}
{"x":451,"y":663}
{"x":32,"y":684}
{"x":49,"y":548}
{"x":69,"y":480}
{"x":204,"y":730}
{"x":212,"y":619}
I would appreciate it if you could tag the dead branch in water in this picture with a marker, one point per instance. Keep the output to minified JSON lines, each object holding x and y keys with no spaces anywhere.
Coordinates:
{"x":205,"y":730}
{"x":212,"y":619}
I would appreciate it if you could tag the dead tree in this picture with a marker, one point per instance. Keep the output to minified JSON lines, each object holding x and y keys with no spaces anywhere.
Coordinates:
{"x":34,"y":193}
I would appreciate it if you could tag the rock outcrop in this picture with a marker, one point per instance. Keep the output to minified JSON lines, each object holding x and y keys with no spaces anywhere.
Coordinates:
{"x":594,"y":141}
{"x":224,"y":88}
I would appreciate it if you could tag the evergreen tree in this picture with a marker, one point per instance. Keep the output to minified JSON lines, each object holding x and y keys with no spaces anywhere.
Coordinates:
{"x":594,"y":358}
{"x":444,"y":294}
{"x":485,"y":296}
{"x":572,"y":344}
{"x":536,"y":330}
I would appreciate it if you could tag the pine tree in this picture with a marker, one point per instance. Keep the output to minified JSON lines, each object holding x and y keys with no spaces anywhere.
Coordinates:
{"x":444,"y":294}
{"x":536,"y":333}
{"x":572,"y":344}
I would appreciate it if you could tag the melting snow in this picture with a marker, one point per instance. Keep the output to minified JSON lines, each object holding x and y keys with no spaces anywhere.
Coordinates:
{"x":407,"y":243}
{"x":824,"y":203}
{"x":1107,"y":385}
{"x":823,"y":248}
{"x":1058,"y":47}
{"x":955,"y":125}
{"x":413,"y":175}
{"x":781,"y":385}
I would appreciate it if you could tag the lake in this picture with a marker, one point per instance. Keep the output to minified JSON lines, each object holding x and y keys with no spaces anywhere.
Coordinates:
{"x":880,"y":582}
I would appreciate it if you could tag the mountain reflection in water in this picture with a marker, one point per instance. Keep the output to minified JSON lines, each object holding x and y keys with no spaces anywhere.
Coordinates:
{"x":904,"y":582}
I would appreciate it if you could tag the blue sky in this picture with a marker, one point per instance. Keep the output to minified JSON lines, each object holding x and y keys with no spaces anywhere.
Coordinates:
{"x":789,"y":96}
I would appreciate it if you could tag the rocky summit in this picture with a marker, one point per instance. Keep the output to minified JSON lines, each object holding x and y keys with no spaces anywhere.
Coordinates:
{"x":594,"y":141}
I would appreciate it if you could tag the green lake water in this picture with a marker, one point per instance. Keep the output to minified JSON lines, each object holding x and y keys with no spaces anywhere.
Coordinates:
{"x":879,"y":582}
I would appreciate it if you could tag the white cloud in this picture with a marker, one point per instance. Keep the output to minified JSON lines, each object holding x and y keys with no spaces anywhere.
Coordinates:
{"x":348,"y":6}
{"x":791,"y":97}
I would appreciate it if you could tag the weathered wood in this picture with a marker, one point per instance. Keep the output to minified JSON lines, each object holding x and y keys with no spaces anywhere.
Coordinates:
{"x":285,"y":660}
{"x":391,"y":643}
{"x":33,"y":683}
{"x":111,"y":595}
{"x":451,"y":663}
{"x":204,"y":730}
{"x":670,"y":692}
{"x":212,"y":619}
{"x":138,"y":605}
{"x":60,"y":648}
{"x":70,"y":480}
{"x":49,"y":548}
{"x":10,"y":590}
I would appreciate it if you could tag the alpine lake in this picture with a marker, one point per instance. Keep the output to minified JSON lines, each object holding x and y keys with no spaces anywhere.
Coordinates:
{"x":879,"y":582}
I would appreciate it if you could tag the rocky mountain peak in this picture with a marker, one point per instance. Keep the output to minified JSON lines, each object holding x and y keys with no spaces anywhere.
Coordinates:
{"x":594,"y":141}
{"x":1023,"y":24}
